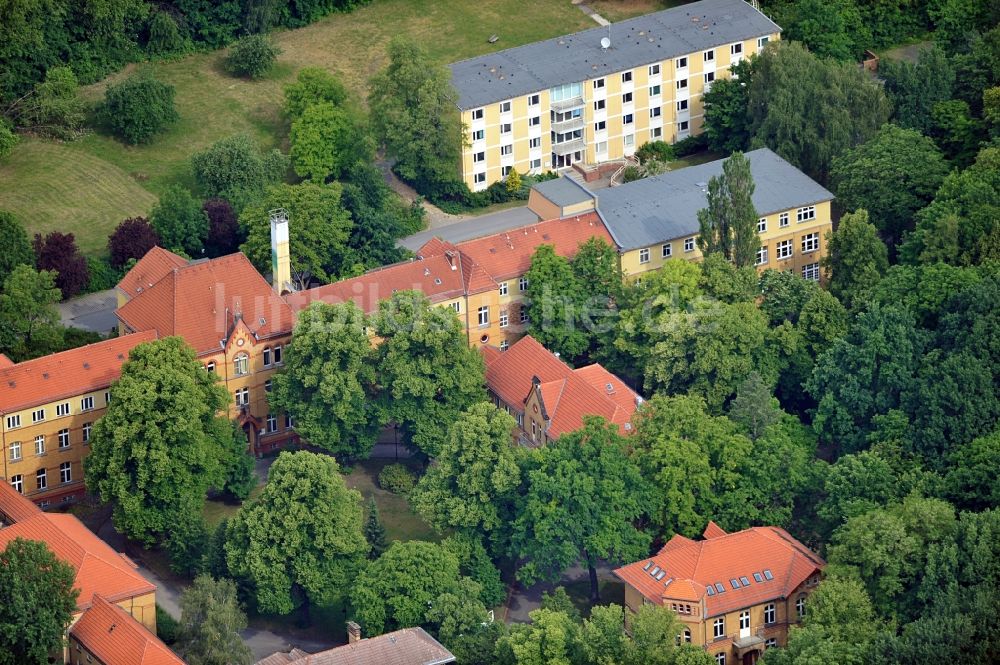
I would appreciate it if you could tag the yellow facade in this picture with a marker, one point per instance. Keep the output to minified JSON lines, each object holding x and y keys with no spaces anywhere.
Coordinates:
{"x":614,"y":115}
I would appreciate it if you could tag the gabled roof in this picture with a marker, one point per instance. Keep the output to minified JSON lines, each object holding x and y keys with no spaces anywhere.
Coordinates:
{"x":579,"y":57}
{"x":97,"y":567}
{"x":684,"y":568}
{"x":665,"y":207}
{"x":151,"y":268}
{"x":111,"y":634}
{"x":14,"y":506}
{"x":201,"y":301}
{"x":409,"y":646}
{"x":567,"y":394}
{"x":67,"y":373}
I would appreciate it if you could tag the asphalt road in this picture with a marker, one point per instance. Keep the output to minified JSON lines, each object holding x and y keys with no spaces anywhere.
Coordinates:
{"x":94,"y":312}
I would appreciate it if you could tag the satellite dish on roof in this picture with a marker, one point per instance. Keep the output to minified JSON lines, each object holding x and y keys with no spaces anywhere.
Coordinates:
{"x":605,"y":43}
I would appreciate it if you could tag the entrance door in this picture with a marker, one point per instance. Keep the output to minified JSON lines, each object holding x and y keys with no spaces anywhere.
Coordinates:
{"x":744,"y":624}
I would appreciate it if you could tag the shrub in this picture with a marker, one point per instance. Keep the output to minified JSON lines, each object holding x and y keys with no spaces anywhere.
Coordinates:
{"x":690,"y":145}
{"x":655,"y":150}
{"x":236,"y":169}
{"x":397,"y":479}
{"x":633,"y":173}
{"x":252,"y":56}
{"x":139,"y":107}
{"x":102,"y":275}
{"x":223,"y":228}
{"x":513,"y":182}
{"x":55,"y":108}
{"x":166,"y":626}
{"x":164,"y":37}
{"x":8,"y":139}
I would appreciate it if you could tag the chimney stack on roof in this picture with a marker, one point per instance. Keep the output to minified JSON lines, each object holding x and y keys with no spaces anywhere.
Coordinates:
{"x":353,"y":632}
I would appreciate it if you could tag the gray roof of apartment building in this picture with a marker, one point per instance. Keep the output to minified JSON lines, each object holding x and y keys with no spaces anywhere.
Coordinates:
{"x":564,"y":191}
{"x":646,"y":212}
{"x":578,"y":57}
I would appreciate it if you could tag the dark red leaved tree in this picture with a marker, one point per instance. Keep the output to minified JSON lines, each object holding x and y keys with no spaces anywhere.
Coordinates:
{"x":131,"y":240}
{"x":58,"y":252}
{"x":223,"y":228}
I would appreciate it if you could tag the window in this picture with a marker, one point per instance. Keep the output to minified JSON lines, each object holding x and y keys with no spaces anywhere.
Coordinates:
{"x":687,"y":635}
{"x":457,"y":306}
{"x":682,"y":105}
{"x":504,"y":107}
{"x":745,"y":620}
{"x":720,"y":659}
{"x":533,"y":100}
{"x":63,"y":438}
{"x":762,"y":225}
{"x":784,"y":249}
{"x":654,"y":91}
{"x":524,"y":315}
{"x":289,"y":421}
{"x":654,"y":70}
{"x":805,"y":214}
{"x":535,"y":142}
{"x":600,"y":105}
{"x":767,"y":575}
{"x":506,"y":150}
{"x":40,"y":444}
{"x":735,"y":583}
{"x":709,"y":77}
{"x":504,"y":319}
{"x":682,"y":83}
{"x":277,"y":355}
{"x":655,"y":112}
{"x":272,"y":423}
{"x":800,"y":606}
{"x":241,"y":364}
{"x":627,"y":98}
{"x":484,"y":316}
{"x":505,"y":128}
{"x":689,"y":244}
{"x":267,"y":356}
{"x":656,"y":133}
{"x":242,"y":396}
{"x":17,"y":482}
{"x":15,"y":451}
{"x":810,"y":242}
{"x":683,"y":126}
{"x":477,"y":114}
{"x":783,"y":220}
{"x":535,"y":163}
{"x":666,"y":251}
{"x":719,"y":627}
{"x":629,"y":140}
{"x":601,"y":147}
{"x":87,"y":404}
{"x":628,"y":119}
{"x":13,"y":422}
{"x":479,"y":178}
{"x":736,"y":49}
{"x":681,"y":63}
{"x":210,"y":366}
{"x":769,"y":613}
{"x":522,"y":284}
{"x":503,"y":288}
{"x":38,"y":415}
{"x":268,"y":385}
{"x":62,"y":409}
{"x":479,"y":135}
{"x":770,"y":643}
{"x":626,"y":77}
{"x":87,"y":429}
{"x":757,"y":578}
{"x":709,"y":56}
{"x":66,"y":472}
{"x":762,"y":42}
{"x":600,"y":125}
{"x":644,"y":255}
{"x":535,"y":121}
{"x":41,"y":479}
{"x":504,"y":345}
{"x":762,"y":255}
{"x":811,"y":272}
{"x":598,"y":83}
{"x":478,"y":157}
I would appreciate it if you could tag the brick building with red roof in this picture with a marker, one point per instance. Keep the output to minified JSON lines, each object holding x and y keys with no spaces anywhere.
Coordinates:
{"x":548,"y":398}
{"x":106,"y":634}
{"x":736,"y":593}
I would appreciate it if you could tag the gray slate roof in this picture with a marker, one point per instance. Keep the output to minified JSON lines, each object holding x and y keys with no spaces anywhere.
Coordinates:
{"x":409,"y":646}
{"x":579,"y":57}
{"x":564,"y":191}
{"x":647,"y":212}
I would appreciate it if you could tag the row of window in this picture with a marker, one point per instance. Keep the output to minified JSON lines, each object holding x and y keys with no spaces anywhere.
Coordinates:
{"x":483,"y":313}
{"x":770,"y":617}
{"x":272,"y":423}
{"x":63,"y":409}
{"x":666,"y":250}
{"x":804,"y":214}
{"x":62,"y":436}
{"x":241,"y":363}
{"x":42,"y":478}
{"x":785,"y":248}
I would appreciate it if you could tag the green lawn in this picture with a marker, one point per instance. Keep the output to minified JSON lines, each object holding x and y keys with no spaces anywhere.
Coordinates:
{"x":619,"y":10}
{"x":89,"y":186}
{"x":401,"y":523}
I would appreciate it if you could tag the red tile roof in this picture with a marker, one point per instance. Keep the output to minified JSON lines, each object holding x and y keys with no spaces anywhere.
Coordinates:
{"x":15,"y":506}
{"x":98,"y":568}
{"x":409,"y":646}
{"x":111,"y":634}
{"x":66,"y":374}
{"x":5,"y":361}
{"x":683,"y":568}
{"x":151,"y":268}
{"x":200,"y":301}
{"x":568,"y":394}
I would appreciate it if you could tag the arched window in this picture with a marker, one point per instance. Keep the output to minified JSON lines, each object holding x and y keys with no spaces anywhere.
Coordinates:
{"x":267,"y":356}
{"x":241,"y":364}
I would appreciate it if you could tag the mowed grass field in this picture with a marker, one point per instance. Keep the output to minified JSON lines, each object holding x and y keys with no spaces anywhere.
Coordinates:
{"x":87,"y":187}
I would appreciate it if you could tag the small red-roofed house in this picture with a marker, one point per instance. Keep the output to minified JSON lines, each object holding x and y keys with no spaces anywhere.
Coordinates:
{"x":108,"y":635}
{"x":736,"y":593}
{"x":548,"y":398}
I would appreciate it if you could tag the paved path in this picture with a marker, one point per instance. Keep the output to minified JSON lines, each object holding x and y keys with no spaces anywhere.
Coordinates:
{"x":522,"y":601}
{"x":94,"y":312}
{"x":435,"y":216}
{"x":600,"y":20}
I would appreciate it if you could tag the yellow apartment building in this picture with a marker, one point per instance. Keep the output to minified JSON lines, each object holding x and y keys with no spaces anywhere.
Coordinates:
{"x":736,"y":594}
{"x":48,"y":407}
{"x":596,"y":96}
{"x":655,"y":219}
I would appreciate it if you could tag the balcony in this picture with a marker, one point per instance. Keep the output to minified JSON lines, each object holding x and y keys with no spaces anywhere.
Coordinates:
{"x":751,"y":642}
{"x":566,"y":147}
{"x":567,"y":104}
{"x":569,"y":125}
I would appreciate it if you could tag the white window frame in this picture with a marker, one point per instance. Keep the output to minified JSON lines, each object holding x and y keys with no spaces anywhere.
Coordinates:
{"x":805,"y":214}
{"x":15,"y":451}
{"x":42,"y":479}
{"x":708,"y":56}
{"x":504,"y":319}
{"x":654,"y":69}
{"x":507,"y":150}
{"x":666,"y":250}
{"x":38,"y":415}
{"x":503,"y":288}
{"x":644,"y":255}
{"x":63,"y":437}
{"x":271,"y":423}
{"x":784,"y":250}
{"x":800,"y":606}
{"x":761,"y":255}
{"x":267,"y":356}
{"x":522,"y":284}
{"x":17,"y":482}
{"x":598,"y":83}
{"x":810,"y":242}
{"x":689,"y":244}
{"x":62,"y":409}
{"x":762,"y":225}
{"x":719,"y":628}
{"x":504,"y":345}
{"x":87,"y":403}
{"x":736,"y":49}
{"x":655,"y":112}
{"x":40,"y":444}
{"x":505,"y":128}
{"x":745,"y":620}
{"x":811,"y":272}
{"x":783,"y":220}
{"x":478,"y":135}
{"x":683,"y":126}
{"x":483,"y":314}
{"x":534,"y":100}
{"x":477,"y":114}
{"x":13,"y":422}
{"x":627,"y":97}
{"x":87,"y":430}
{"x":600,"y":125}
{"x":626,"y":77}
{"x":241,"y":364}
{"x":505,"y":107}
{"x":682,"y":84}
{"x":770,"y":614}
{"x":681,"y":63}
{"x":682,"y":105}
{"x":535,"y":142}
{"x":65,"y":473}
{"x":457,"y":306}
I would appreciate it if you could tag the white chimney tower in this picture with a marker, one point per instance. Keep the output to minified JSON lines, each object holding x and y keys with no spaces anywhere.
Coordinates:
{"x":281,"y":268}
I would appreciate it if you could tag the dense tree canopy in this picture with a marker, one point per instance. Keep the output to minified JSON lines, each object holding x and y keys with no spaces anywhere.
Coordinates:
{"x":728,"y":225}
{"x":236,"y":169}
{"x":15,"y":248}
{"x":131,"y":240}
{"x":856,"y":260}
{"x":211,"y":622}
{"x":180,"y":222}
{"x":328,"y":140}
{"x":29,"y":321}
{"x":58,"y":253}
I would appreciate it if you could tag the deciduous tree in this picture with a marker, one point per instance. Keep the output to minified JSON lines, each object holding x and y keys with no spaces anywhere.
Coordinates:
{"x":58,"y":252}
{"x":180,"y":222}
{"x":15,"y":248}
{"x":327,"y":140}
{"x":237,"y":169}
{"x":131,"y":240}
{"x":300,"y":542}
{"x":29,"y":321}
{"x":223,"y":228}
{"x":374,"y":531}
{"x":857,"y":259}
{"x":211,"y":622}
{"x":252,"y":56}
{"x":829,"y":29}
{"x":553,"y":298}
{"x":139,"y":107}
{"x":754,"y":407}
{"x":313,"y":85}
{"x":914,"y":88}
{"x":728,"y":225}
